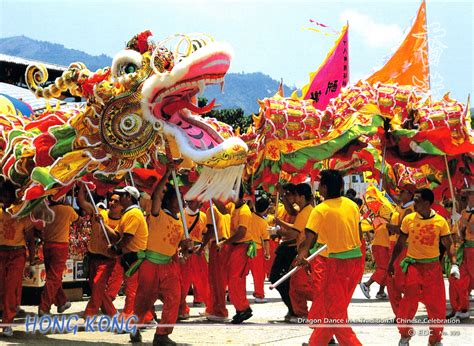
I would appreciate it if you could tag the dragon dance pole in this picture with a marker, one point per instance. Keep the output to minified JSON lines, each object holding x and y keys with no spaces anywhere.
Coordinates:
{"x":383,"y":166}
{"x":214,"y":221}
{"x":295,"y":269}
{"x":97,"y":213}
{"x":451,"y":188}
{"x":131,"y":178}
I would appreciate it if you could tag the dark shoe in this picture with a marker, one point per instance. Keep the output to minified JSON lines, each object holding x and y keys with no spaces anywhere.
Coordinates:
{"x":241,"y":316}
{"x":199,"y":305}
{"x":162,"y":340}
{"x":451,"y":315}
{"x":332,"y":341}
{"x":136,"y":337}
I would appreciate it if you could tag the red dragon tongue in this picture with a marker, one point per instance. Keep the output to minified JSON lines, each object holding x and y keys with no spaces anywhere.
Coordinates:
{"x":176,"y":106}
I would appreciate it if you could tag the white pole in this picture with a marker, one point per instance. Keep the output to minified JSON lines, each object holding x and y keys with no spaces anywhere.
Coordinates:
{"x":97,"y":213}
{"x":295,"y":269}
{"x":131,"y":178}
{"x":180,"y":203}
{"x":451,"y":188}
{"x":214,"y":221}
{"x":383,"y":167}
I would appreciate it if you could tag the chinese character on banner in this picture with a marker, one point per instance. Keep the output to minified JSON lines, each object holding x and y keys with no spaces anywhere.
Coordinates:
{"x":315,"y":95}
{"x":332,"y":87}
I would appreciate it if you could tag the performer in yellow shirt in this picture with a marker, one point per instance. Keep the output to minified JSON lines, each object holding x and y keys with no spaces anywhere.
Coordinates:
{"x":336,"y":220}
{"x":259,"y":230}
{"x":424,"y":282}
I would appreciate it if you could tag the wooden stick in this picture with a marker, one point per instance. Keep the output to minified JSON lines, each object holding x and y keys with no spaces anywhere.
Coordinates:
{"x":295,"y":269}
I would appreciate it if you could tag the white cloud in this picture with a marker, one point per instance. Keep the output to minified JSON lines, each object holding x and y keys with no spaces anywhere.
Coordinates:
{"x":374,"y":34}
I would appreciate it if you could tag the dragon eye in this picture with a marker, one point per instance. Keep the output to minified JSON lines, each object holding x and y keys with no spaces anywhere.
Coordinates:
{"x":130,"y":68}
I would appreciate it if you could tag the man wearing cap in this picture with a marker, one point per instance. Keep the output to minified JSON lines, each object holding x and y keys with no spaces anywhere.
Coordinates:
{"x":133,"y":231}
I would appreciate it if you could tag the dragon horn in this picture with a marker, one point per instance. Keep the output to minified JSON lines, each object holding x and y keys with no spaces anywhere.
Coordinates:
{"x":38,"y":74}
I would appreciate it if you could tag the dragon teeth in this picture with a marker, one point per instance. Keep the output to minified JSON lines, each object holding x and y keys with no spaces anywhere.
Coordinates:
{"x":202,"y":87}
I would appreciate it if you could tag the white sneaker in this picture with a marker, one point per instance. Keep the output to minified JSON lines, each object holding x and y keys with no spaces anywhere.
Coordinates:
{"x":365,"y":289}
{"x":462,"y":315}
{"x":64,"y":307}
{"x":8,"y":331}
{"x":260,"y":300}
{"x":215,"y":318}
{"x":404,"y":342}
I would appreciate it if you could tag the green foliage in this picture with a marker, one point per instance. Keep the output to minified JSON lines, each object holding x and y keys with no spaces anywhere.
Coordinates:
{"x":233,"y":117}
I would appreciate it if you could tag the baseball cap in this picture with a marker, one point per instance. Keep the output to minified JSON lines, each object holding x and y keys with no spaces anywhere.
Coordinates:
{"x":132,"y":191}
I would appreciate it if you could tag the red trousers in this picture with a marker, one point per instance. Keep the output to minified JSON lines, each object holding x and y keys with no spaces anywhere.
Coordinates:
{"x":318,"y":273}
{"x":269,"y":263}
{"x":115,"y":280}
{"x":218,"y":266}
{"x":12,"y":265}
{"x":131,"y":286}
{"x":396,"y":283}
{"x":238,"y":270}
{"x":158,"y":281}
{"x":257,"y":268}
{"x":342,"y":277}
{"x":55,"y":257}
{"x":459,"y":288}
{"x":300,"y":292}
{"x":468,"y":263}
{"x":100,"y":270}
{"x":194,"y":272}
{"x":423,"y":283}
{"x":381,"y":257}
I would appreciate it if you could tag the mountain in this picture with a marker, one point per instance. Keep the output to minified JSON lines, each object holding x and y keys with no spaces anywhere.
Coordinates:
{"x":241,"y":89}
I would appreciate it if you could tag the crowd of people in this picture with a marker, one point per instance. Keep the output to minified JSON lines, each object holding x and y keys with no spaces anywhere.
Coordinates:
{"x":157,"y":250}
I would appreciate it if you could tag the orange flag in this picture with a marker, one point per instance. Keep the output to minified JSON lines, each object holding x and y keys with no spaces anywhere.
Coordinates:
{"x":409,"y":64}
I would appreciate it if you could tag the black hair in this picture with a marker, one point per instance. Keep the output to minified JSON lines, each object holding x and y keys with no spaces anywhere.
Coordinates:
{"x":303,"y":189}
{"x":426,"y":195}
{"x":358,"y":201}
{"x":333,"y":181}
{"x":290,"y":188}
{"x":168,"y":196}
{"x":351,"y":193}
{"x":262,"y":204}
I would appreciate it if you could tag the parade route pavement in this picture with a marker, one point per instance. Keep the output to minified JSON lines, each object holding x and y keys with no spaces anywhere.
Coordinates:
{"x":266,"y":327}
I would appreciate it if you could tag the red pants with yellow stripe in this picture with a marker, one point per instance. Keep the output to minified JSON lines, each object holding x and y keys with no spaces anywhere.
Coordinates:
{"x":55,"y":257}
{"x":115,"y":280}
{"x":158,"y":281}
{"x":423,"y":283}
{"x":238,"y":269}
{"x":301,"y":292}
{"x":218,"y":267}
{"x":100,"y":270}
{"x":381,"y":257}
{"x":396,"y":283}
{"x":257,"y":268}
{"x":194,"y":271}
{"x":339,"y":285}
{"x":12,"y":265}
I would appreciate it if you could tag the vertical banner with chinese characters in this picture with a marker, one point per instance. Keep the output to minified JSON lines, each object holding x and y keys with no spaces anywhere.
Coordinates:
{"x":409,"y":64}
{"x":332,"y":74}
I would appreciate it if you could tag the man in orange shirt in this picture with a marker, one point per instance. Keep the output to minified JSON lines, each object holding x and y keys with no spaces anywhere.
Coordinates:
{"x":216,"y":311}
{"x":241,"y":248}
{"x":259,"y":228}
{"x":55,"y":252}
{"x":336,"y":220}
{"x":158,"y":275}
{"x":194,"y":269}
{"x":101,"y":259}
{"x":300,"y":282}
{"x":14,"y":234}
{"x":133,"y":232}
{"x":423,"y":230}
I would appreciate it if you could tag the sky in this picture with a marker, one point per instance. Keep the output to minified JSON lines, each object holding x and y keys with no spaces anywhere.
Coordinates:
{"x":268,"y":36}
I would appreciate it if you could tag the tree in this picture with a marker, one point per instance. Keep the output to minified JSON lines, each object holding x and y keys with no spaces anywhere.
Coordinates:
{"x":234,"y":117}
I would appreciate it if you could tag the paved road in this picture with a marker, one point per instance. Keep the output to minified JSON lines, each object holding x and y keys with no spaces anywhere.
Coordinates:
{"x":265,"y":328}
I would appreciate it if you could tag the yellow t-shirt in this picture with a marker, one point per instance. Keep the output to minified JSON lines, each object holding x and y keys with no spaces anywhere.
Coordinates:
{"x":259,"y":230}
{"x":165,"y":233}
{"x":133,"y":222}
{"x":199,"y":228}
{"x":222,"y":223}
{"x":470,"y":226}
{"x":395,"y":219}
{"x":336,"y":220}
{"x":12,"y":231}
{"x":58,"y":230}
{"x":381,"y":236}
{"x":424,"y":234}
{"x":98,"y":243}
{"x":241,"y":217}
{"x":300,"y":223}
